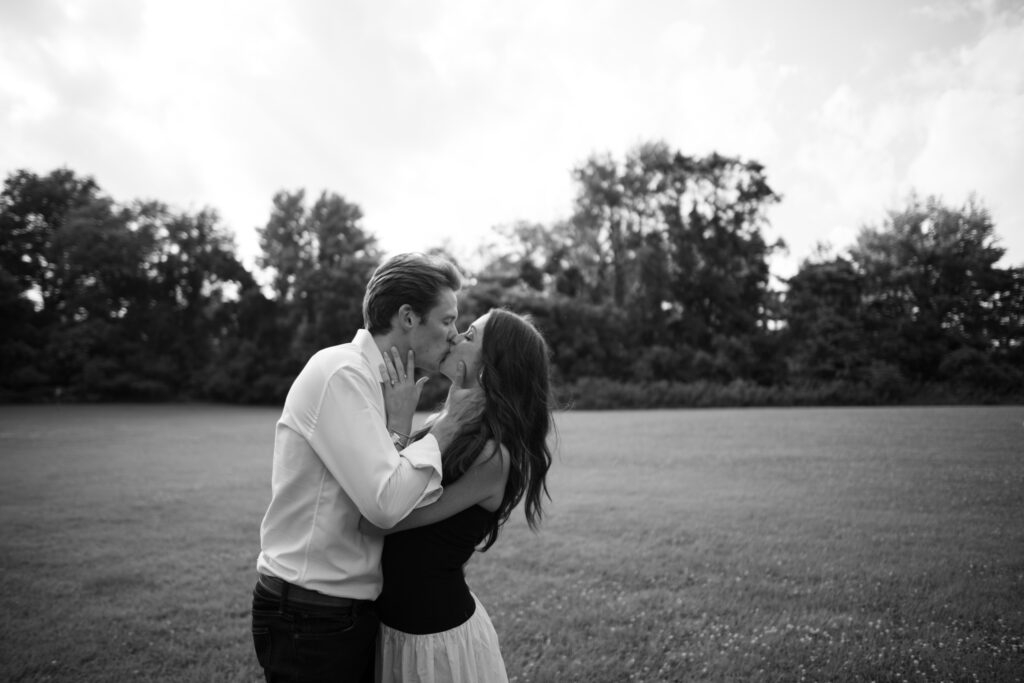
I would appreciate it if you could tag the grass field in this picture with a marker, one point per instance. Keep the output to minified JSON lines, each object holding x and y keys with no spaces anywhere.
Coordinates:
{"x":762,"y":545}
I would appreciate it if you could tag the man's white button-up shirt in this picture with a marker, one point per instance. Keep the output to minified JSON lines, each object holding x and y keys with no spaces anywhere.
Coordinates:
{"x":334,"y":460}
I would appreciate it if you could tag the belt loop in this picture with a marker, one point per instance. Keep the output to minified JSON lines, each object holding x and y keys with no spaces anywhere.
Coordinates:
{"x":284,"y":596}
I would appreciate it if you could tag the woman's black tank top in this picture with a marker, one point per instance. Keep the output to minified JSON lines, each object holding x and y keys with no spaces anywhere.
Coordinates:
{"x":425,"y":587}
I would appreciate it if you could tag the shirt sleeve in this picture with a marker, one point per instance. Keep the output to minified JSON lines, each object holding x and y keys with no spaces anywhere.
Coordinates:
{"x":350,"y":436}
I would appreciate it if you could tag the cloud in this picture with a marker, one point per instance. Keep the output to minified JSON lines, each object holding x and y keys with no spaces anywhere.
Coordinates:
{"x":842,"y":172}
{"x":949,"y":124}
{"x":975,"y":127}
{"x":445,"y":118}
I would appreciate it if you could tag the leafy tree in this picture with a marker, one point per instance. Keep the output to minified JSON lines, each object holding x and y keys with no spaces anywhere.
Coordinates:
{"x":346,"y":257}
{"x":123,"y":296}
{"x":32,"y":208}
{"x":1007,"y":317}
{"x":193,"y":273}
{"x":98,"y":342}
{"x":287,"y":243}
{"x":20,"y":340}
{"x":585,"y":339}
{"x":660,"y":275}
{"x":550,"y":259}
{"x":244,"y":367}
{"x":714,"y":213}
{"x":931,"y":284}
{"x":825,"y":331}
{"x":321,"y":260}
{"x":676,"y":242}
{"x":600,"y":219}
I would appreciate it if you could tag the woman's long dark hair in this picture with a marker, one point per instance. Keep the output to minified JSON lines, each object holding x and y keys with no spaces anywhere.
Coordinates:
{"x":515,"y":376}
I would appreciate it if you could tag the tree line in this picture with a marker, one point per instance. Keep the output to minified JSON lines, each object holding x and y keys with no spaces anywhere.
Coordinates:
{"x":656,"y":291}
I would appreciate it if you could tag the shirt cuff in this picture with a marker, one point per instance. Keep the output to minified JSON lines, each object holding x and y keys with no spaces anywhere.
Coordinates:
{"x":426,"y":454}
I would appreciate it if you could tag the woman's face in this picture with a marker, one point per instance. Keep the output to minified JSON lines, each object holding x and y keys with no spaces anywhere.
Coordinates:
{"x":468,"y":348}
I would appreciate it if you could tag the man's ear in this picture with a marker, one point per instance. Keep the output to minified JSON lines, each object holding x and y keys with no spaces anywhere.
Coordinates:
{"x":407,"y":318}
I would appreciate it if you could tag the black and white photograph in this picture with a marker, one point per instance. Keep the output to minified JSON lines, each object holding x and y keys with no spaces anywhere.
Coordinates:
{"x":458,"y":341}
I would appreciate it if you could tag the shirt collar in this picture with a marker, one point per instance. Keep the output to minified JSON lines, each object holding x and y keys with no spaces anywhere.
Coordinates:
{"x":365,"y":343}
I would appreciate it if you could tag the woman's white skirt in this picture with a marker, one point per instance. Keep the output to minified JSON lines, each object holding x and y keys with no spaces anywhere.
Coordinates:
{"x":467,"y":653}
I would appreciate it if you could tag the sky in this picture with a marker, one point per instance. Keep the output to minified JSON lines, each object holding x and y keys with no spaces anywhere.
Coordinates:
{"x":443,"y":119}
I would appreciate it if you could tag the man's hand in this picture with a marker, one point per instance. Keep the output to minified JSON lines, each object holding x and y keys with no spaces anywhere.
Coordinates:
{"x":462,"y":407}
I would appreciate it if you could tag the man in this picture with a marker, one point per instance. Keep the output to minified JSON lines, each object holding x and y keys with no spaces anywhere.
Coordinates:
{"x":335,"y":460}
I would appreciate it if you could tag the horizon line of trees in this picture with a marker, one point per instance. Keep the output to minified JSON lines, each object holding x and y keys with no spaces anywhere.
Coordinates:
{"x":656,"y":291}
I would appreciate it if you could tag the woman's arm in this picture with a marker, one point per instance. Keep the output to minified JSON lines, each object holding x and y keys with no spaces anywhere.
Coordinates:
{"x":483,"y":484}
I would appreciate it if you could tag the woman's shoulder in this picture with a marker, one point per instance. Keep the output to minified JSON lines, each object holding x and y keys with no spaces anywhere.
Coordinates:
{"x":493,"y":465}
{"x":493,"y":454}
{"x":493,"y":460}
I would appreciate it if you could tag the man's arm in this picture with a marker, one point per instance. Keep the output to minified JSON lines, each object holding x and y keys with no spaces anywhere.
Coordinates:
{"x":351,"y":438}
{"x":483,"y":483}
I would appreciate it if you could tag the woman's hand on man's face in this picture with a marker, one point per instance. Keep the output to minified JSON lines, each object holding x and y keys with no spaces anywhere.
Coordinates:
{"x":401,"y":389}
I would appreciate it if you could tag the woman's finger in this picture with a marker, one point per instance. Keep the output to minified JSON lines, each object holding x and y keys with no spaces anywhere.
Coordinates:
{"x":397,"y":360}
{"x":410,"y":365}
{"x":392,"y":373}
{"x":460,"y":374}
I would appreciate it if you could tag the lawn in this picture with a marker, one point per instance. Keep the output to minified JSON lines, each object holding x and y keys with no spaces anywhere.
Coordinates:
{"x":881,"y":544}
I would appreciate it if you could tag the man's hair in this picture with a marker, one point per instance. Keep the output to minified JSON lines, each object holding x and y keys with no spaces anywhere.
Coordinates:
{"x":414,"y":279}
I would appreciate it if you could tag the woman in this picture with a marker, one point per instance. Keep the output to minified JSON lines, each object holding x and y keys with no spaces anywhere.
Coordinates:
{"x":433,"y":628}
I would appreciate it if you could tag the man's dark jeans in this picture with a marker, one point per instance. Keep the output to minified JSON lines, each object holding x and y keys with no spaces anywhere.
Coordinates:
{"x":298,"y":642}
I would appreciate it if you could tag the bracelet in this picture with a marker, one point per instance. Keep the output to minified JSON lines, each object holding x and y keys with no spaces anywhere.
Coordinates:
{"x":399,"y":439}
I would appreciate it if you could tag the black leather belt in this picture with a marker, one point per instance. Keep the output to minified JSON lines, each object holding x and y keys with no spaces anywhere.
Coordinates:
{"x":298,"y":594}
